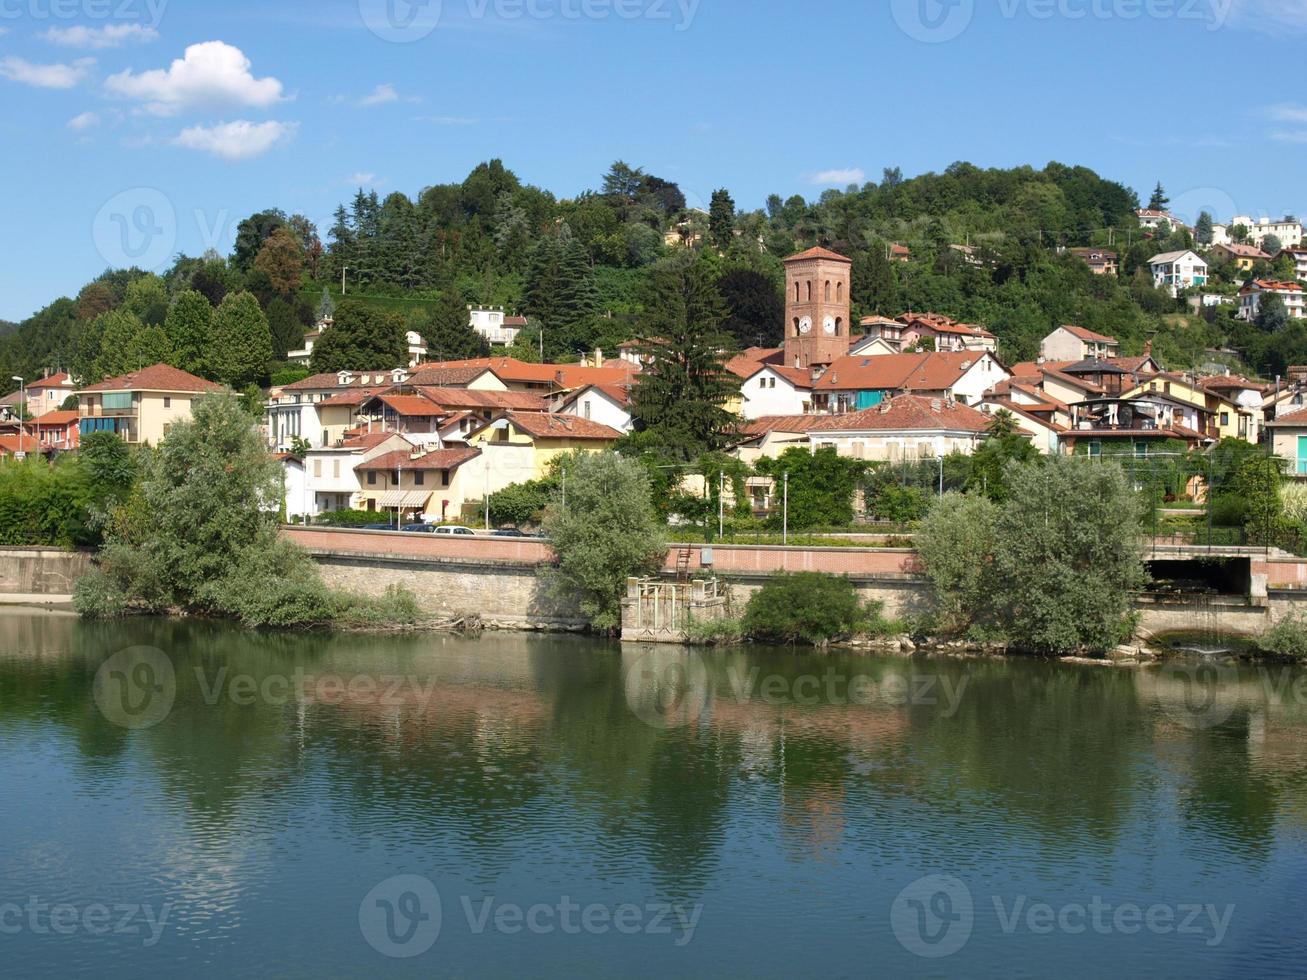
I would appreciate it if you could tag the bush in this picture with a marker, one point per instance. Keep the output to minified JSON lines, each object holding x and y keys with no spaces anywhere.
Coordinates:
{"x":1287,"y":639}
{"x":902,"y":505}
{"x":349,"y":518}
{"x":607,"y":533}
{"x":95,"y":596}
{"x":809,"y":606}
{"x":956,"y":543}
{"x":710,"y":632}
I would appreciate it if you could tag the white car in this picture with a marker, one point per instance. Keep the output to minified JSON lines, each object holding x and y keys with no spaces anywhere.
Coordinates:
{"x":459,"y":531}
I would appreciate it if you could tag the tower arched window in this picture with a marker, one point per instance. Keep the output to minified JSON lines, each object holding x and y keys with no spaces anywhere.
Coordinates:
{"x":796,"y":291}
{"x":796,"y":322}
{"x":809,"y":290}
{"x":839,"y":292}
{"x":827,"y":290}
{"x":839,"y":325}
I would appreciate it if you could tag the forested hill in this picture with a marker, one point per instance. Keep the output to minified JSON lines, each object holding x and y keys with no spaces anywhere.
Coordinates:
{"x":580,"y":267}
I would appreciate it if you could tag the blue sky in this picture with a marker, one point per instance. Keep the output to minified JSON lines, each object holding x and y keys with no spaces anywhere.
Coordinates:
{"x":136,"y":128}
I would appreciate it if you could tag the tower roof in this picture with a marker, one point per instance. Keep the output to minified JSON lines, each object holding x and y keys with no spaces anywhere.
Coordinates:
{"x":819,"y":253}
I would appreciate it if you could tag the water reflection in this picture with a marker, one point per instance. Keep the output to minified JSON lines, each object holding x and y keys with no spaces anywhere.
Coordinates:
{"x":307,"y":766}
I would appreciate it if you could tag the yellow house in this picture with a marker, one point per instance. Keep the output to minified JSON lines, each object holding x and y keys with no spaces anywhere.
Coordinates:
{"x":520,"y":445}
{"x":1226,"y":419}
{"x":140,"y":407}
{"x":432,"y":486}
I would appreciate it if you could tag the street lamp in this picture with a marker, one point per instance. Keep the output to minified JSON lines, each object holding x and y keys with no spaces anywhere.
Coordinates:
{"x":22,"y":410}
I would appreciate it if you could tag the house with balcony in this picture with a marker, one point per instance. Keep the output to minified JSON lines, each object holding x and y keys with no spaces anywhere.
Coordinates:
{"x":1178,"y":271}
{"x":944,"y":333}
{"x":1101,"y":261}
{"x":417,"y":347}
{"x":140,"y":406}
{"x":58,"y":430}
{"x":1250,"y":298}
{"x":1240,"y":257}
{"x":497,"y":328}
{"x":903,"y":428}
{"x":1289,"y":440}
{"x":1299,"y":256}
{"x":415,"y":484}
{"x":49,"y":393}
{"x":854,"y":383}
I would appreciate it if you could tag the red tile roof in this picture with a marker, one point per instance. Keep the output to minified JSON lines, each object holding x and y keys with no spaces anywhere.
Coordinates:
{"x":439,"y":459}
{"x":350,"y":399}
{"x":1245,"y":251}
{"x":461,"y":398}
{"x":511,"y":369}
{"x":58,"y":418}
{"x":782,"y":423}
{"x":543,"y":426}
{"x":159,"y":377}
{"x":933,"y":371}
{"x":621,"y":394}
{"x":60,"y":380}
{"x":412,"y":406}
{"x":910,"y":413}
{"x":1274,"y":285}
{"x":1080,"y":333}
{"x":367,"y":440}
{"x":818,"y":253}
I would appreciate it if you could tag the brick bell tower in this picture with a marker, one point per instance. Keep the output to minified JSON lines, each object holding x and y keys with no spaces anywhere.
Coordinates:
{"x":816,"y":308}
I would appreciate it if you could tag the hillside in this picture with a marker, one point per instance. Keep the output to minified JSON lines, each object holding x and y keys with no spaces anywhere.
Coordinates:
{"x":580,"y":267}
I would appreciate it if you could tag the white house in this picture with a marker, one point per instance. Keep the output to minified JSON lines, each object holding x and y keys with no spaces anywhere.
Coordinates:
{"x":774,"y":390}
{"x":906,"y":427}
{"x":1175,"y":271}
{"x":1250,"y":298}
{"x":1071,"y":343}
{"x":608,"y":405}
{"x":1152,"y":220}
{"x":326,"y":480}
{"x":1287,"y":229}
{"x":1299,"y":256}
{"x":498,"y":328}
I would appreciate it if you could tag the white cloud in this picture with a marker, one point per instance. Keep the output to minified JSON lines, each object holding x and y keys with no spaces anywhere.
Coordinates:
{"x":84,"y":121}
{"x":448,"y":120}
{"x":99,"y":38}
{"x":1286,"y":112}
{"x":239,"y":140}
{"x":361,"y":180}
{"x":46,"y":76}
{"x":853,"y":175}
{"x":3,"y":31}
{"x":380,"y":96}
{"x":211,"y":75}
{"x":1290,"y":136}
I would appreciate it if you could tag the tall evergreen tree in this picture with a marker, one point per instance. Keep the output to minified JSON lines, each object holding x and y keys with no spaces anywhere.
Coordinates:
{"x":721,"y":219}
{"x":189,"y":326}
{"x":242,"y":341}
{"x":1203,"y":229}
{"x":680,"y":401}
{"x":447,"y":329}
{"x":1159,"y":201}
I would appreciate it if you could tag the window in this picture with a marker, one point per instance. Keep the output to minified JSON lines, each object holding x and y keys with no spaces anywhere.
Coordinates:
{"x":317,"y":467}
{"x":796,"y":291}
{"x":335,"y":468}
{"x":419,"y":479}
{"x":372,"y":480}
{"x":827,"y":294}
{"x":1225,"y":418}
{"x":444,"y":478}
{"x":839,"y":292}
{"x":796,"y":322}
{"x":809,"y":290}
{"x":587,"y":407}
{"x":167,"y":402}
{"x":839,"y":326}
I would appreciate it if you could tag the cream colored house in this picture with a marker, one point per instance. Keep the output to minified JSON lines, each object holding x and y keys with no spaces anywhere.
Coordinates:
{"x":140,"y":407}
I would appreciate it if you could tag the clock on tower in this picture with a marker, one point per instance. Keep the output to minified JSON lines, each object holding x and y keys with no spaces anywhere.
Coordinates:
{"x":816,"y":308}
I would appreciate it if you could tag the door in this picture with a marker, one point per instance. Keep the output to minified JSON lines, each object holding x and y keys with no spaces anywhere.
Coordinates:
{"x":1302,"y":456}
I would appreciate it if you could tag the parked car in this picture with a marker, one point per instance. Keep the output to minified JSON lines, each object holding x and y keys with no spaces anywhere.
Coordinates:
{"x":419,"y":529}
{"x":377,"y":527}
{"x":510,"y":532}
{"x":459,"y":531}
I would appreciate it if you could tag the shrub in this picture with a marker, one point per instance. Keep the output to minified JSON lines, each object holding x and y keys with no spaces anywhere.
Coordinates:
{"x":709,"y":632}
{"x":349,"y":518}
{"x":809,"y":606}
{"x":1287,"y":639}
{"x":956,"y":543}
{"x":899,"y":504}
{"x":95,"y":596}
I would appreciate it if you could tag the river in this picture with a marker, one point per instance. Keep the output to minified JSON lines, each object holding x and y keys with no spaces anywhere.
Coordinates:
{"x":186,"y":799}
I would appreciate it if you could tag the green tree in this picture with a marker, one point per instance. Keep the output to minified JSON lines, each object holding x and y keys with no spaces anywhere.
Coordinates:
{"x":1159,"y":201}
{"x":447,"y":329}
{"x":755,"y":308}
{"x":606,"y":532}
{"x":361,"y":339}
{"x":252,"y":233}
{"x":147,"y":299}
{"x":681,"y":397}
{"x":1067,"y":556}
{"x":126,"y":344}
{"x":1272,"y":314}
{"x":1203,"y":229}
{"x":807,"y":607}
{"x":242,"y":341}
{"x":956,"y":543}
{"x":821,"y":487}
{"x":189,"y":326}
{"x":721,"y":219}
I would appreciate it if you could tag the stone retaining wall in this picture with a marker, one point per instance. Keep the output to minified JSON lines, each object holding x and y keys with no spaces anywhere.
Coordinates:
{"x":41,"y":571}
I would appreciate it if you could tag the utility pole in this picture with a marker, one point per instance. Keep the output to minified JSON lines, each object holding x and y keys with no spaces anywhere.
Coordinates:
{"x":721,"y":505}
{"x":564,"y":491}
{"x":22,"y":412}
{"x":487,"y":455}
{"x":343,"y":270}
{"x":785,"y":512}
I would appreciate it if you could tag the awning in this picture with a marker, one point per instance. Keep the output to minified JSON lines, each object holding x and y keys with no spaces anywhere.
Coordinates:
{"x":406,"y":499}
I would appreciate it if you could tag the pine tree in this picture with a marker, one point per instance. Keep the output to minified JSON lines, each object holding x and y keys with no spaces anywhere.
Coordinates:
{"x":680,"y":400}
{"x":1159,"y":201}
{"x":721,"y":219}
{"x":1203,"y":229}
{"x":361,"y":339}
{"x":189,"y":326}
{"x":874,"y":289}
{"x":448,"y":331}
{"x":242,"y":341}
{"x":578,"y":299}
